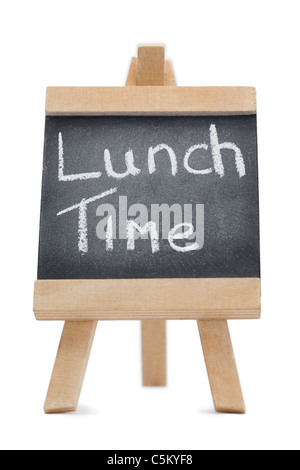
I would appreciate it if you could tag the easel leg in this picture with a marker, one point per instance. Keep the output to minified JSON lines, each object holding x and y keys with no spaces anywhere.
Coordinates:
{"x":154,"y":353}
{"x":221,"y":367}
{"x":70,"y":367}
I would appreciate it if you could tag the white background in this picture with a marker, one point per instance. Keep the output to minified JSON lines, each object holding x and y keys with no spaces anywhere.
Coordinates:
{"x":89,"y":42}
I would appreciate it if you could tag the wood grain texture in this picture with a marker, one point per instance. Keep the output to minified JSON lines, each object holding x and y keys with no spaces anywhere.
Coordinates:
{"x":151,"y":65}
{"x":169,"y":299}
{"x":70,"y":367}
{"x":131,"y":77}
{"x":221,"y":367}
{"x":150,"y":100}
{"x":150,"y":70}
{"x":170,"y":79}
{"x":154,"y":353}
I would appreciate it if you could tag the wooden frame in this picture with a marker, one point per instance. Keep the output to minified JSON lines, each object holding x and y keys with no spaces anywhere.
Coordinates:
{"x":148,"y":100}
{"x":151,"y":90}
{"x":168,"y":299}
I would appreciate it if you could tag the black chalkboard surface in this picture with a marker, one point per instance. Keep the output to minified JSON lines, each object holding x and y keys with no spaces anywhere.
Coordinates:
{"x":149,"y":197}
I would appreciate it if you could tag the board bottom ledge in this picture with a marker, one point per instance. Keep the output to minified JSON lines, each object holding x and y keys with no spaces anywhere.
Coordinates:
{"x":142,"y":299}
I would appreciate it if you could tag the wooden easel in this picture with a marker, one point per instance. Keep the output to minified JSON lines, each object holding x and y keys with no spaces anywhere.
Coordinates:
{"x":149,"y":69}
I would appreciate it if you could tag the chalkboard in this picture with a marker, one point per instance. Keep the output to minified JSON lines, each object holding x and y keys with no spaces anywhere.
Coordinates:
{"x":149,"y":197}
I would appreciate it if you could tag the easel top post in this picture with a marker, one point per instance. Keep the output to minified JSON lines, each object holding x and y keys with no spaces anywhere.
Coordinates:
{"x":151,"y":65}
